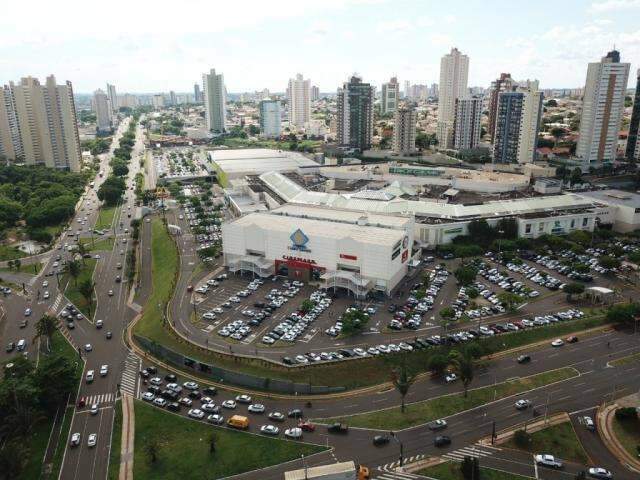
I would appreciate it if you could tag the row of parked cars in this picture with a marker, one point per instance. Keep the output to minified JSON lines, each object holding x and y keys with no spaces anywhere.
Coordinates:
{"x":420,"y":301}
{"x":562,"y":269}
{"x":297,"y":323}
{"x":433,"y":340}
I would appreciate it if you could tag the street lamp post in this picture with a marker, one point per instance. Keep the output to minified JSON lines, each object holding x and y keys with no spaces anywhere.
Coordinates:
{"x":401,"y":459}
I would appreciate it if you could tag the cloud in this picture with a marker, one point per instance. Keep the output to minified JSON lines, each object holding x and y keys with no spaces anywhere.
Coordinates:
{"x":613,"y":6}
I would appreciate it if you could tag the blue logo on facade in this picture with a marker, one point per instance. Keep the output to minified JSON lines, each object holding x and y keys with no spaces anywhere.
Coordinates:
{"x":299,"y":240}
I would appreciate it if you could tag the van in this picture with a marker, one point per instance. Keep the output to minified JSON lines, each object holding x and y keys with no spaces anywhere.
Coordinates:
{"x":238,"y":421}
{"x":21,"y":344}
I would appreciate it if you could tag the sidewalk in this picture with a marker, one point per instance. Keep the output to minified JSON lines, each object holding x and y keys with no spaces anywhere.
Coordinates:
{"x":128,"y":436}
{"x":604,"y":420}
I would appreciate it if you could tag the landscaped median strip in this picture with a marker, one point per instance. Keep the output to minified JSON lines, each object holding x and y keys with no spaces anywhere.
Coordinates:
{"x":625,"y":360}
{"x":422,"y":412}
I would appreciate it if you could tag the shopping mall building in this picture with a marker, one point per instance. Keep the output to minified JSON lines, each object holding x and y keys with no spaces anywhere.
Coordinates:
{"x":361,"y":252}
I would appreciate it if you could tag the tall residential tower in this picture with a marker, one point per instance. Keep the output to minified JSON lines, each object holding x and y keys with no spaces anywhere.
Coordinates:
{"x":466,"y":127}
{"x":355,"y":114}
{"x":602,"y":108}
{"x":390,"y":96}
{"x":633,"y":141}
{"x":454,"y":73}
{"x":299,"y":98}
{"x":215,"y":101}
{"x":270,"y":118}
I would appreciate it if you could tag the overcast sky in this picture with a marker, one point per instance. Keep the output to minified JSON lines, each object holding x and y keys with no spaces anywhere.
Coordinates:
{"x":161,"y":45}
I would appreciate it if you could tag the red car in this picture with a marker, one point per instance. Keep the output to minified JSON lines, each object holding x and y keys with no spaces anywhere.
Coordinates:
{"x":572,"y":339}
{"x":81,"y":402}
{"x":306,"y":426}
{"x":189,"y":288}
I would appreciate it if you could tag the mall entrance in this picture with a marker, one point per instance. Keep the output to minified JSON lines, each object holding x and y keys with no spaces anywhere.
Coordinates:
{"x":301,"y":269}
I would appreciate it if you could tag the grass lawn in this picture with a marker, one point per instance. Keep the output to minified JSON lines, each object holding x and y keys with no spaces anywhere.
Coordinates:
{"x":116,"y":443}
{"x":451,"y":471}
{"x":105,"y":218}
{"x":10,"y":253}
{"x":236,"y":452}
{"x":558,"y":440}
{"x":422,"y":412}
{"x":625,"y":360}
{"x":98,"y":243}
{"x":72,"y":293}
{"x":30,"y":269}
{"x":628,"y":433}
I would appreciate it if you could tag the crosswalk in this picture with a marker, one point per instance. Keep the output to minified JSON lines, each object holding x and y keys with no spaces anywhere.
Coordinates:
{"x":397,"y":476}
{"x":474,"y":451}
{"x":57,"y":302}
{"x":129,"y":381}
{"x":101,"y":399}
{"x":65,"y":332}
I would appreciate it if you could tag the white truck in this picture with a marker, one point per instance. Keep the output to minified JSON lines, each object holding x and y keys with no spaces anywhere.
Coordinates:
{"x":550,"y":461}
{"x":335,"y":471}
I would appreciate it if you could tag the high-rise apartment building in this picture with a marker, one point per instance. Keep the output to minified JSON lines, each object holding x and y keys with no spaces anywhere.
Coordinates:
{"x":633,"y":140}
{"x":502,"y":84}
{"x":10,"y":141}
{"x":113,"y":98}
{"x":454,"y":73}
{"x":433,"y":91}
{"x":518,"y":116}
{"x":355,"y":114}
{"x":390,"y":96}
{"x":315,"y":93}
{"x":102,"y":108}
{"x":299,"y":99}
{"x":404,"y":130}
{"x":173,"y":100}
{"x":466,"y":127}
{"x":128,"y":100}
{"x":407,"y":89}
{"x":270,"y":118}
{"x":215,"y":101}
{"x":197,"y":94}
{"x":40,"y":123}
{"x":602,"y":108}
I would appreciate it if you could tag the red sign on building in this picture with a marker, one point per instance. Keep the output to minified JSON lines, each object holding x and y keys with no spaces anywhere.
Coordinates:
{"x":348,"y":257}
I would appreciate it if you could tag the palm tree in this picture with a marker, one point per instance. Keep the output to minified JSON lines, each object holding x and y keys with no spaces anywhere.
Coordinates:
{"x":402,"y":378}
{"x":463,"y":365}
{"x":86,"y":290}
{"x":74,"y":269}
{"x":46,"y":327}
{"x":82,"y":250}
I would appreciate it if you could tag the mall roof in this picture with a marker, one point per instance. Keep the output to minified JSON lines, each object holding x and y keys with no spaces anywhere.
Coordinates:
{"x":347,"y":216}
{"x":259,"y":160}
{"x":615,"y":197}
{"x":291,"y":192}
{"x":322,"y":229}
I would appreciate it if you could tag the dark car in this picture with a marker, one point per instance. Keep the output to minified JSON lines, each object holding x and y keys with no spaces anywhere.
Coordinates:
{"x":154,"y":389}
{"x":380,"y":440}
{"x":194,"y":394}
{"x":209,"y":391}
{"x":572,"y":339}
{"x":174,"y":407}
{"x":170,"y":377}
{"x":152,"y":370}
{"x":295,"y":413}
{"x":71,"y":325}
{"x":524,"y":359}
{"x":338,"y":428}
{"x":442,"y":441}
{"x":144,"y":373}
{"x":287,"y":360}
{"x":10,"y":347}
{"x":109,"y":335}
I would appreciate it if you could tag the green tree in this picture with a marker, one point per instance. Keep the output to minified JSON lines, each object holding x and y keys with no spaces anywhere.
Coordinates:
{"x":522,"y":438}
{"x":152,"y":449}
{"x":354,"y":321}
{"x":510,"y":300}
{"x":576,"y":176}
{"x":86,"y":290}
{"x":17,"y":264}
{"x":402,"y":378}
{"x":45,"y":327}
{"x":74,"y":268}
{"x":438,"y":363}
{"x":623,"y":312}
{"x":573,"y":288}
{"x":463,"y":364}
{"x":307,"y":306}
{"x":212,"y":442}
{"x":608,"y":262}
{"x":465,"y":274}
{"x":447,"y":314}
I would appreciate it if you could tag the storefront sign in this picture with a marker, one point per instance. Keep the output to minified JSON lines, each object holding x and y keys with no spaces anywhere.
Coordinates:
{"x":299,"y":241}
{"x":299,"y":259}
{"x":348,"y":257}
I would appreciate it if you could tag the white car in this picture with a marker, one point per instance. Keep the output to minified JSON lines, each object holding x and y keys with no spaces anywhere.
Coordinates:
{"x":148,"y":396}
{"x":27,"y":312}
{"x":216,"y":419}
{"x":230,"y":404}
{"x":196,"y":413}
{"x":45,"y":284}
{"x":92,"y":440}
{"x":89,"y":376}
{"x":523,"y":404}
{"x":256,"y":408}
{"x":45,"y":295}
{"x":558,"y":342}
{"x":269,"y":430}
{"x":110,"y":293}
{"x":94,"y":409}
{"x":243,"y":399}
{"x":75,"y":440}
{"x":190,"y":385}
{"x":548,"y":461}
{"x":293,"y":432}
{"x":104,"y":369}
{"x":160,"y":402}
{"x":600,"y":473}
{"x":450,"y":378}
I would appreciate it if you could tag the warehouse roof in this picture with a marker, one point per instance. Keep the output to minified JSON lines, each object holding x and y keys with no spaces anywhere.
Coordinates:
{"x":615,"y":197}
{"x":340,"y":215}
{"x":259,"y":160}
